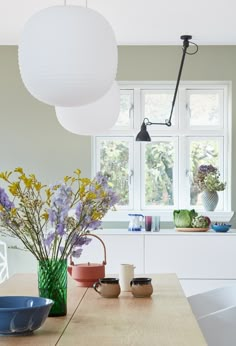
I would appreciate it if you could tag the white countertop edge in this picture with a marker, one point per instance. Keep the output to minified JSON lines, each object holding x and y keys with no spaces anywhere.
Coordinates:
{"x":163,"y":232}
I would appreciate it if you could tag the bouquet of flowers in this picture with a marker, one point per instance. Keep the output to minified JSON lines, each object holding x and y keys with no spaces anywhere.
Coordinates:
{"x":41,"y":216}
{"x":208,"y":178}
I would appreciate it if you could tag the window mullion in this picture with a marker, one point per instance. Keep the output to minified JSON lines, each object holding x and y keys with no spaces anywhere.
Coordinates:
{"x":184,"y":173}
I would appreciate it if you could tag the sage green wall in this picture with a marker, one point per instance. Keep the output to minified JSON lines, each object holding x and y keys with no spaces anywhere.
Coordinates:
{"x":30,"y":135}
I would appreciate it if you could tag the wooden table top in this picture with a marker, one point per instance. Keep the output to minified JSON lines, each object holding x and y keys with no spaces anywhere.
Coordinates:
{"x":165,"y":319}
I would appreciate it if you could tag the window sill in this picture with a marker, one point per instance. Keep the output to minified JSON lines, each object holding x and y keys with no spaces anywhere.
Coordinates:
{"x":167,"y":216}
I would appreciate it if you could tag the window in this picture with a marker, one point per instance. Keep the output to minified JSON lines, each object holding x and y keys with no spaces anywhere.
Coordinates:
{"x":157,"y":175}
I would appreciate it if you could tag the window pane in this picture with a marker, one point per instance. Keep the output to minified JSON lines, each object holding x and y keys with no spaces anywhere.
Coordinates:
{"x":157,"y":105}
{"x":159,"y":162}
{"x":204,"y":108}
{"x":202,"y":152}
{"x":125,"y":106}
{"x":114,"y":160}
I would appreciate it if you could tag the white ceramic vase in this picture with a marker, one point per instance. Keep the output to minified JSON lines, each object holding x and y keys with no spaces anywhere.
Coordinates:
{"x":210,"y":200}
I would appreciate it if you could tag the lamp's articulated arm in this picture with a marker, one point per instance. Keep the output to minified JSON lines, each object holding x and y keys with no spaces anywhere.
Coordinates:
{"x":145,"y":136}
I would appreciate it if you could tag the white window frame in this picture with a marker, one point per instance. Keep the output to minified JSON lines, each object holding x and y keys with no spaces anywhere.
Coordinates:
{"x":183,"y":134}
{"x":129,"y":92}
{"x":203,"y":91}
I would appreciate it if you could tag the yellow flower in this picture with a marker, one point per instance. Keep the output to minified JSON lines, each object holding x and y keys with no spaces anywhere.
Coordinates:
{"x":45,"y":216}
{"x":19,"y":170}
{"x":38,"y":186}
{"x":48,"y":193}
{"x":27,"y":181}
{"x":14,"y":187}
{"x":66,"y":178}
{"x":85,"y":181}
{"x":96,"y":215}
{"x":81,"y":191}
{"x":13,"y":212}
{"x":91,"y":195}
{"x":77,"y":171}
{"x":103,"y":194}
{"x":5,"y":175}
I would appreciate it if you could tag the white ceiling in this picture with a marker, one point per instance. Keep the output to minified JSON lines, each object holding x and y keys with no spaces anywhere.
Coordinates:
{"x":139,"y":22}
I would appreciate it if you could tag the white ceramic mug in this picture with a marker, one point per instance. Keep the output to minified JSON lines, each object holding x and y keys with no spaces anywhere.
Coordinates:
{"x":126,"y":275}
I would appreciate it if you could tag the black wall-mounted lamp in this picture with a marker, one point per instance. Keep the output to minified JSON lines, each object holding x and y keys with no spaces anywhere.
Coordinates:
{"x":143,"y":135}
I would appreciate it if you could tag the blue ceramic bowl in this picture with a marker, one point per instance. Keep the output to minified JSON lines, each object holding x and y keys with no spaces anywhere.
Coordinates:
{"x":22,"y":315}
{"x":220,"y":228}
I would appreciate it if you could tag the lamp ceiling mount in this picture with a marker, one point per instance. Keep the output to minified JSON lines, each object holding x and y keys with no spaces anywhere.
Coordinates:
{"x":186,"y":37}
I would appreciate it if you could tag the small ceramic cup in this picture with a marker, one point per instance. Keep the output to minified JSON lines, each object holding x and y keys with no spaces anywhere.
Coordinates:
{"x":125,"y":275}
{"x":107,"y":287}
{"x":141,"y":287}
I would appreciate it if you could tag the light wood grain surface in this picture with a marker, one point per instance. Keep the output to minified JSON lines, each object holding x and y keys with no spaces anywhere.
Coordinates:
{"x":165,"y":319}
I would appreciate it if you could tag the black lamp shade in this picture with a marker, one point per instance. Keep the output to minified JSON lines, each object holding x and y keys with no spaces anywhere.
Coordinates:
{"x":143,"y":135}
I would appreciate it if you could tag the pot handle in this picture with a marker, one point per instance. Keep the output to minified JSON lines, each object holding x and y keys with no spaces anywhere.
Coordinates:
{"x":104,"y":262}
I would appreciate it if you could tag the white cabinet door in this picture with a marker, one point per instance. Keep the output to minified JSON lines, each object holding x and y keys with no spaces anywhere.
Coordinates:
{"x":196,"y":257}
{"x":119,"y":248}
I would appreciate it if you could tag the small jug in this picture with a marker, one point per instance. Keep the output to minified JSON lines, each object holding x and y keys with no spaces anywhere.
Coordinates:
{"x":141,"y":287}
{"x":125,"y":276}
{"x":108,"y":287}
{"x":135,"y":223}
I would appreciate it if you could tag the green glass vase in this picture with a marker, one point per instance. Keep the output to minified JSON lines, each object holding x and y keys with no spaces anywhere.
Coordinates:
{"x":52,"y":284}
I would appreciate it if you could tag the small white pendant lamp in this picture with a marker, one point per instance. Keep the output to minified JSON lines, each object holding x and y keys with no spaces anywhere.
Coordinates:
{"x":93,"y":118}
{"x":67,"y":56}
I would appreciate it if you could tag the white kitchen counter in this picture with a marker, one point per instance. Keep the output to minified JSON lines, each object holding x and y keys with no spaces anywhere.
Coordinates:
{"x":201,"y":260}
{"x":162,"y":232}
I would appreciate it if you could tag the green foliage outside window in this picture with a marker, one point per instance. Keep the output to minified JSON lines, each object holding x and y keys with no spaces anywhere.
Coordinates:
{"x":114,"y":158}
{"x":159,"y":173}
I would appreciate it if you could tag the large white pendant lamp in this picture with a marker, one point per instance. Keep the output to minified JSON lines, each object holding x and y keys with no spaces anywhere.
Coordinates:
{"x":67,"y":56}
{"x":93,"y":118}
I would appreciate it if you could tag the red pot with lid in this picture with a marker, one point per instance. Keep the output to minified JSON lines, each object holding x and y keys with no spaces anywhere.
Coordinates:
{"x":88,"y":273}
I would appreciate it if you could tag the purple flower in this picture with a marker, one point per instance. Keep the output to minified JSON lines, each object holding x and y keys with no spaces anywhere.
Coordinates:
{"x":61,"y":229}
{"x":113,"y":197}
{"x":78,"y":242}
{"x":78,"y":210}
{"x":59,"y":209}
{"x":101,"y":179}
{"x":4,"y":200}
{"x":52,"y":215}
{"x":206,"y":169}
{"x":49,"y":239}
{"x":94,"y":224}
{"x":77,"y":252}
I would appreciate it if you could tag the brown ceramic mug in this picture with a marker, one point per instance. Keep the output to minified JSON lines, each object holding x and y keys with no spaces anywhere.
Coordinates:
{"x":141,"y":287}
{"x":107,"y":287}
